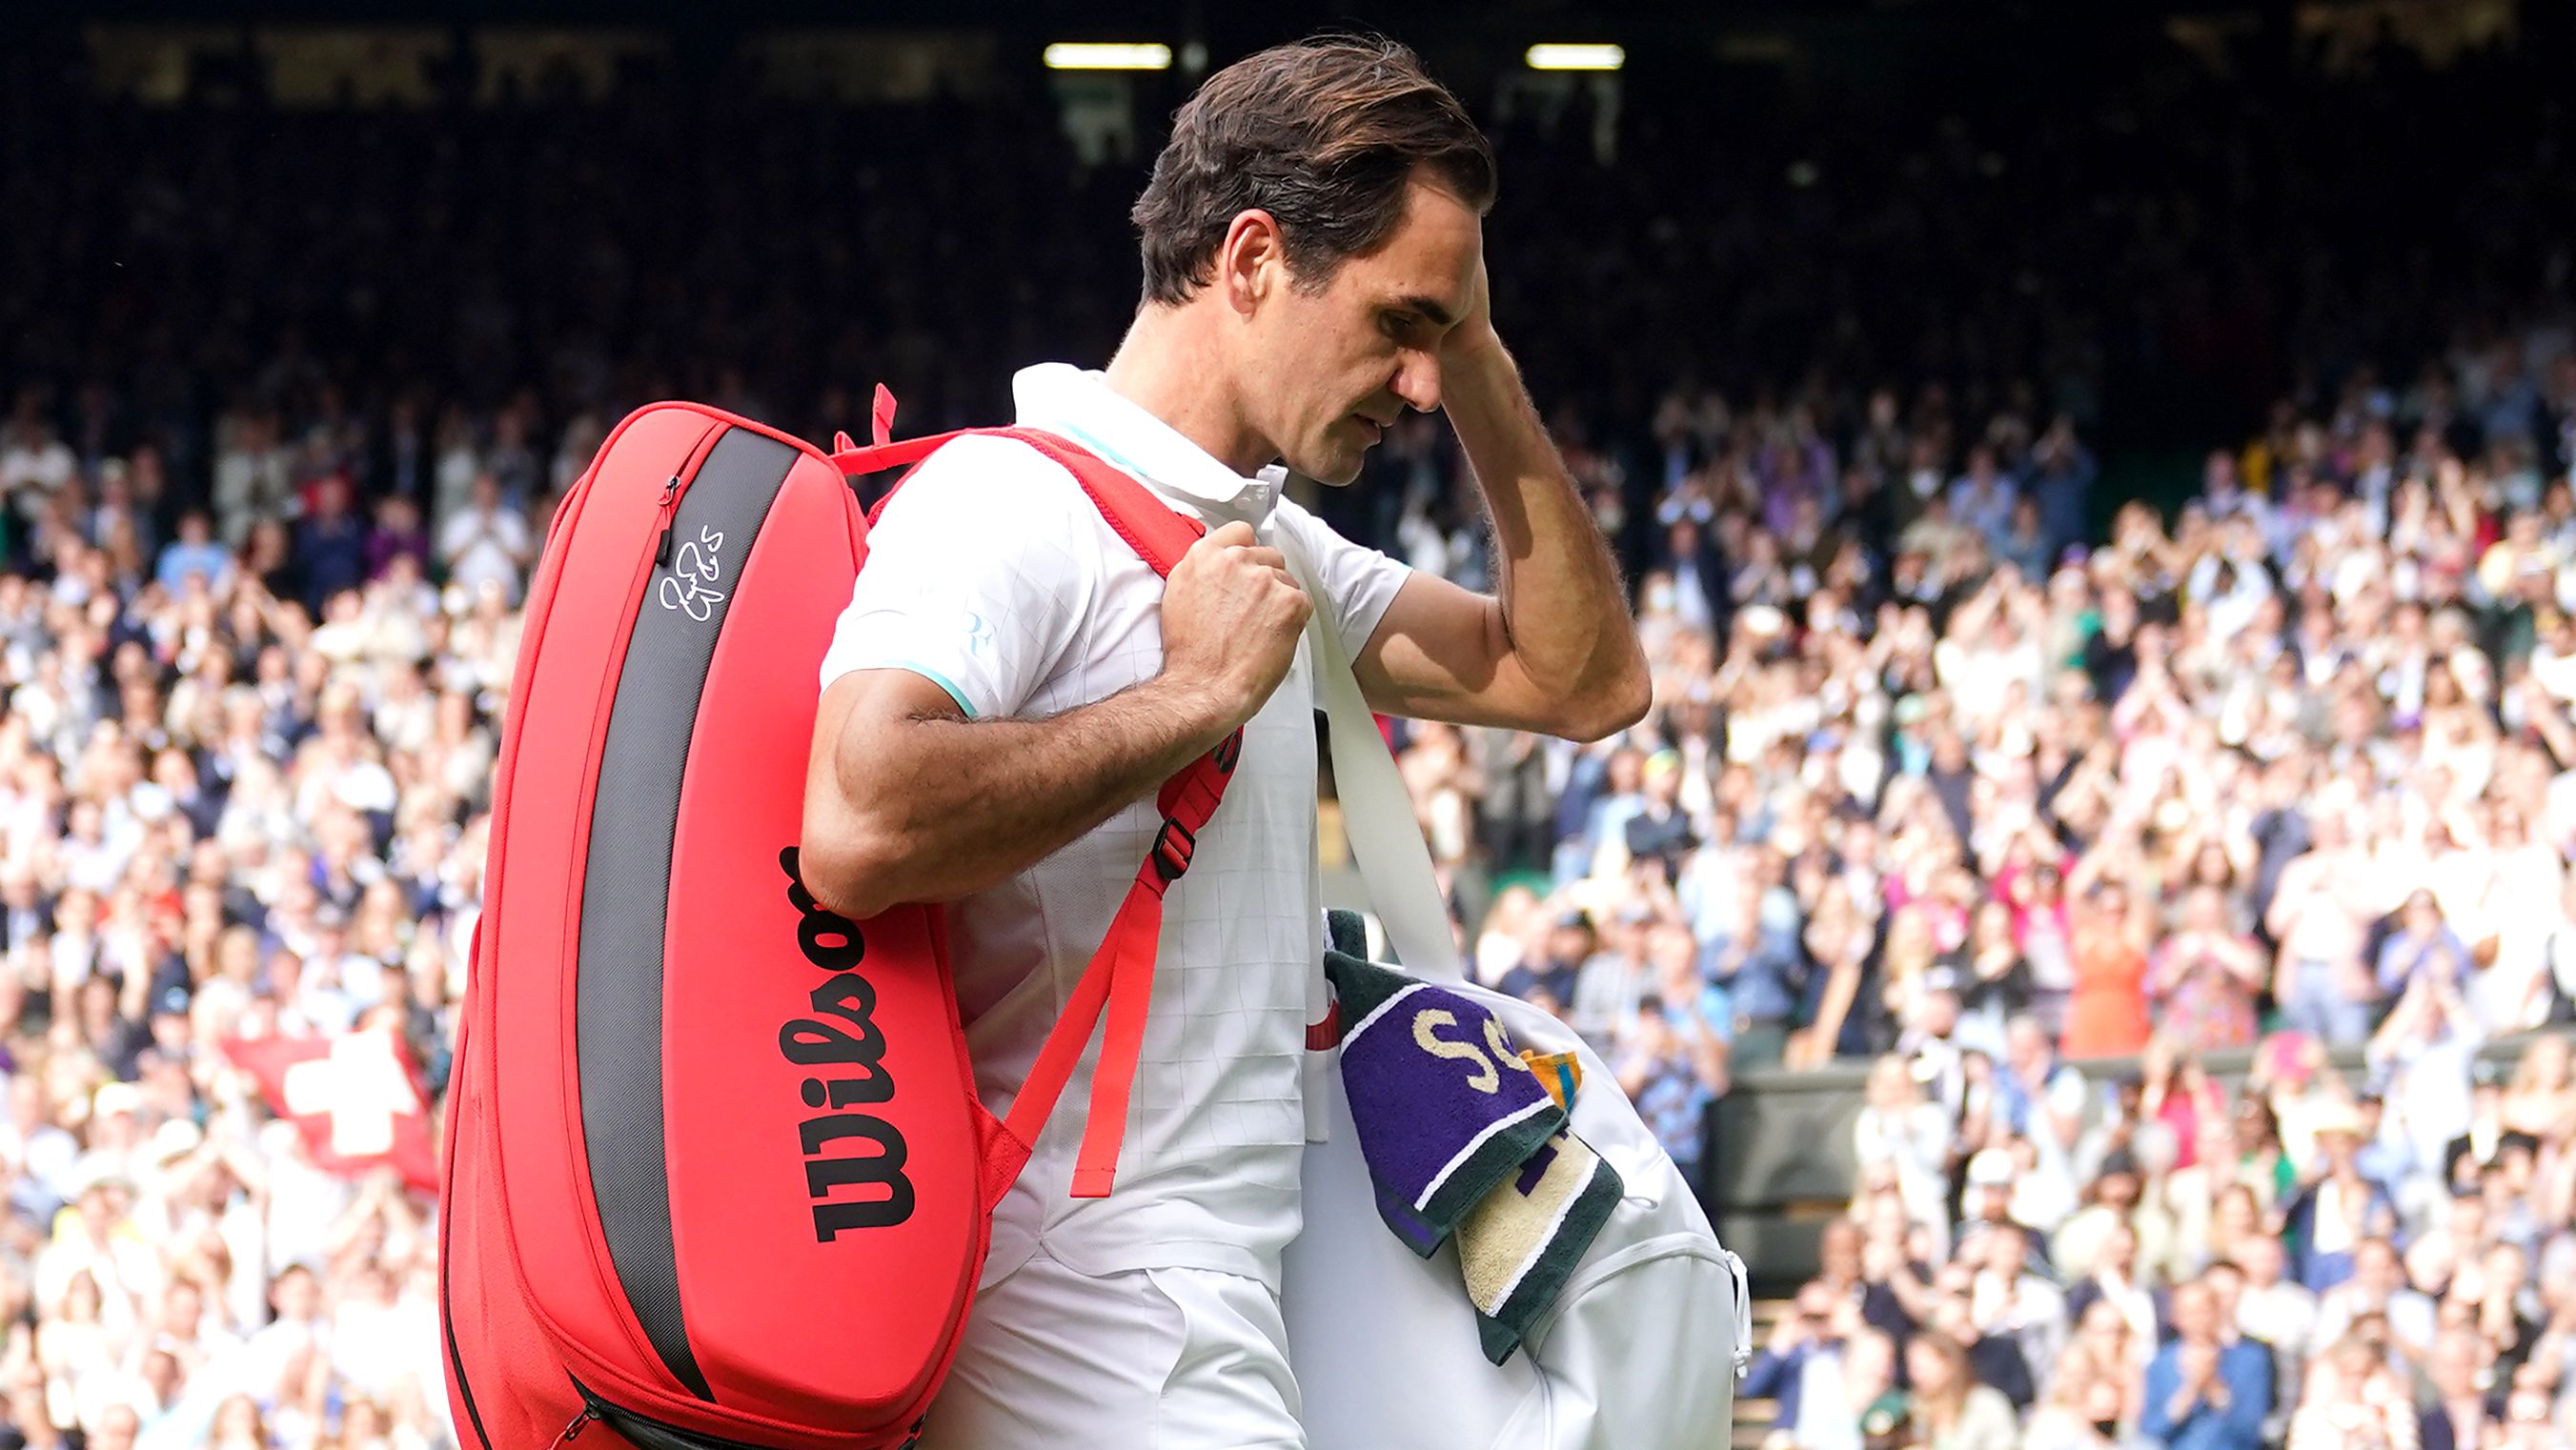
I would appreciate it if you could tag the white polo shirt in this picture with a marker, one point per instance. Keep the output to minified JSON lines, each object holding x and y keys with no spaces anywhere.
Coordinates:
{"x":993,"y":575}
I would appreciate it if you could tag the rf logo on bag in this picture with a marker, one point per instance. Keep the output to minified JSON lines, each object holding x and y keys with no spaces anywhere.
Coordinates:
{"x":690,"y":586}
{"x":842,"y":1039}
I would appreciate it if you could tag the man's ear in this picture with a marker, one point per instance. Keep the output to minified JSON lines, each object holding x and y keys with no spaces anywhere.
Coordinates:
{"x":1252,"y":260}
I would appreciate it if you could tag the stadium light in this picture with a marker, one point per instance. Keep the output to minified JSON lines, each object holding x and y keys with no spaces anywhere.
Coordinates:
{"x":1576,"y":57}
{"x":1070,"y":55}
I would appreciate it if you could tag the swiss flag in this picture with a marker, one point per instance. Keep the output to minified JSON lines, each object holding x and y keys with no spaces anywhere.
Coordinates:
{"x":352,"y":1097}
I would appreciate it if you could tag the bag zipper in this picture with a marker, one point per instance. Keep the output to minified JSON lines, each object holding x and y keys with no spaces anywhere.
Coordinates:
{"x":670,"y":510}
{"x":579,"y":1423}
{"x":644,"y":1432}
{"x":669,"y":503}
{"x":447,"y":1221}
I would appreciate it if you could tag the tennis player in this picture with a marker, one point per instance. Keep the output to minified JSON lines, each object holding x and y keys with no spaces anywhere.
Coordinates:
{"x":1010,"y":685}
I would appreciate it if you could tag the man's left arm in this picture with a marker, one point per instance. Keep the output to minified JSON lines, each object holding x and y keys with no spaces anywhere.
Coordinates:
{"x":2246,"y":1372}
{"x":1553,"y":648}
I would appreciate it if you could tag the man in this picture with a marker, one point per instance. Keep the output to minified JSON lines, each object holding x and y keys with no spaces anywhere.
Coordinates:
{"x":1765,"y":972}
{"x":2465,"y":1154}
{"x":1551,"y":979}
{"x":1929,"y":1037}
{"x":2007,"y":1298}
{"x":2460,"y":1417}
{"x":1987,"y":1207}
{"x":1999,"y":1359}
{"x":1610,"y":981}
{"x":2321,"y":914}
{"x":2274,"y":1309}
{"x":2052,"y":1090}
{"x":2114,"y":1277}
{"x":2377,"y":1286}
{"x":1011,"y":686}
{"x":1661,"y":831}
{"x":2457,"y":1239}
{"x":1800,"y":1370}
{"x":2227,"y":1288}
{"x":486,"y":543}
{"x":2203,"y":1393}
{"x":2338,"y":1211}
{"x":1671,"y":1078}
{"x":194,"y":554}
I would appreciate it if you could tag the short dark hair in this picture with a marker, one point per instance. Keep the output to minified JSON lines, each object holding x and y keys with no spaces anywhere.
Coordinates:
{"x":1324,"y":135}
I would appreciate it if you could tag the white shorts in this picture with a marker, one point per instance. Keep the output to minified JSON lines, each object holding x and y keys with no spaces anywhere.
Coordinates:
{"x":1159,"y":1359}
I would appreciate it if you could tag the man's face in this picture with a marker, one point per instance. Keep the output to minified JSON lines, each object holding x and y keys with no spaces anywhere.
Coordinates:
{"x":2375,"y":1266}
{"x":2453,"y":1366}
{"x":2261,"y":1258}
{"x":1325,"y":372}
{"x":2195,"y":1311}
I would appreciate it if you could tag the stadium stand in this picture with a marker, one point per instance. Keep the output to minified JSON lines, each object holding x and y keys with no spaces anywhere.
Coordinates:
{"x":2176,"y":901}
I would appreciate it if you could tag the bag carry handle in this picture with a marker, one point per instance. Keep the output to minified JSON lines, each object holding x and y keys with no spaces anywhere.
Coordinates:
{"x":1377,"y":811}
{"x":1119,"y":981}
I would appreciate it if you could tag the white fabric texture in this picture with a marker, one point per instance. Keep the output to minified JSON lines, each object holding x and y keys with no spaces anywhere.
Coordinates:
{"x":1161,"y":1359}
{"x":992,"y":574}
{"x":1642,"y":1348}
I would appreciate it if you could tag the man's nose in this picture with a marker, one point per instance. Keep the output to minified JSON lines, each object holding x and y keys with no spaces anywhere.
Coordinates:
{"x":1417,"y":380}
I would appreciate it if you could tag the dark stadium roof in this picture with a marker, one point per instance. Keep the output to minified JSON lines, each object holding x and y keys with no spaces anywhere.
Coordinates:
{"x":1566,"y":19}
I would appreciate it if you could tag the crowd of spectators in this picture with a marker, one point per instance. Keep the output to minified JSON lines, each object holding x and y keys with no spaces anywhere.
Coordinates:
{"x":1941,"y":775}
{"x":2035,"y":824}
{"x":224,"y":813}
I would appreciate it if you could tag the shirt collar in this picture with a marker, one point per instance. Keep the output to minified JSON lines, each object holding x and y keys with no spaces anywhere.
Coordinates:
{"x":1080,"y":405}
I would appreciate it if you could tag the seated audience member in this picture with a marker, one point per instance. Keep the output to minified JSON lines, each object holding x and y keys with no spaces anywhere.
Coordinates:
{"x":1803,"y":1370}
{"x":1949,"y":1409}
{"x":2340,"y":1209}
{"x":2203,"y":1393}
{"x":2354,"y":1401}
{"x":2459,"y":1415}
{"x":2376,"y":1289}
{"x":1997,"y":1360}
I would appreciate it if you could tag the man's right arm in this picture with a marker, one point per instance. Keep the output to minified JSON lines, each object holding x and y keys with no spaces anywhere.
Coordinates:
{"x":907,"y":799}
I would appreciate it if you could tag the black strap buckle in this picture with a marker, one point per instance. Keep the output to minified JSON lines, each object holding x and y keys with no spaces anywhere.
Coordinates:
{"x":1173,"y":847}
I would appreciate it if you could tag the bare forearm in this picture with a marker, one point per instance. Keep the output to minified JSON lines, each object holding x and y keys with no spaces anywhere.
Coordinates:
{"x":1563,"y":610}
{"x":941,"y":807}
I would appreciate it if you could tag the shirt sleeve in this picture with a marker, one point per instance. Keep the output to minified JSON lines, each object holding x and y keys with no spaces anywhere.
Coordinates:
{"x":979,"y":574}
{"x":1359,"y":582}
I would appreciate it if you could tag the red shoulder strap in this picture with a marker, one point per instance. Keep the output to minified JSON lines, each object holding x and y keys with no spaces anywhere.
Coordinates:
{"x":1119,"y":982}
{"x":1159,"y":535}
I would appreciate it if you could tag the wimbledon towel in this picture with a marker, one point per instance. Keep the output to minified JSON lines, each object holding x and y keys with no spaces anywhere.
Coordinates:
{"x":1462,"y":1136}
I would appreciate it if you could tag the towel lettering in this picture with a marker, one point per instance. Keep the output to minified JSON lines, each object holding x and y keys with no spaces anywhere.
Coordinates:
{"x":842,"y":1034}
{"x":1482,"y":1072}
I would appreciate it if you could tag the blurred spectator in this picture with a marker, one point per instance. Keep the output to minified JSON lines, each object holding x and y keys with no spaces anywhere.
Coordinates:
{"x":1949,"y":1410}
{"x":485,"y":545}
{"x":2202,"y":1392}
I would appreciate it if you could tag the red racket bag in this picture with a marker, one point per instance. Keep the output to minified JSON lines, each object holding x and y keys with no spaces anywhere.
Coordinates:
{"x":716,"y":1175}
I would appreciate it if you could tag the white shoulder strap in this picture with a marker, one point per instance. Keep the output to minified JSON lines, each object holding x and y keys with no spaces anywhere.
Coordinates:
{"x":1377,"y":812}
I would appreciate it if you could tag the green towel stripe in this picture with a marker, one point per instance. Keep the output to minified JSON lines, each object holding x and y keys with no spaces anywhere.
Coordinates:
{"x":1361,"y":985}
{"x":1503,"y":1331}
{"x":1490,"y":1168}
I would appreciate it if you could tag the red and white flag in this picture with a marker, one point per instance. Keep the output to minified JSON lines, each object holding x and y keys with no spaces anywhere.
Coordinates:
{"x":354,"y":1099}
